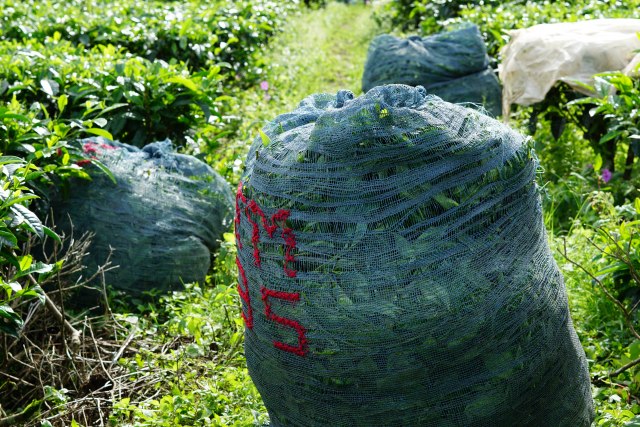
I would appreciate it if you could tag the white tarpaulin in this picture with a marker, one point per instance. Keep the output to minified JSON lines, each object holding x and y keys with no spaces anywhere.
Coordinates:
{"x":538,"y":57}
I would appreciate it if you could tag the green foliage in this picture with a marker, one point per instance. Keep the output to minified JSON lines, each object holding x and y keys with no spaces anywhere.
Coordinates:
{"x":17,"y":224}
{"x":617,"y":101}
{"x":135,"y":100}
{"x":605,"y":288}
{"x":412,"y":14}
{"x":618,"y":242}
{"x":609,"y":125}
{"x":495,"y":19}
{"x":38,"y":152}
{"x":152,"y":70}
{"x":202,"y":380}
{"x":201,"y":34}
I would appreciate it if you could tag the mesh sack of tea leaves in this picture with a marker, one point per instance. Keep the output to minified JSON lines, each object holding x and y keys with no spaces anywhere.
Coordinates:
{"x":394,"y":270}
{"x":162,"y":217}
{"x":481,"y":88}
{"x":453,"y":65}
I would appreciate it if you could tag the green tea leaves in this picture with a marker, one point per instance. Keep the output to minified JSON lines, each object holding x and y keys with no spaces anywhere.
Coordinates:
{"x":265,"y":139}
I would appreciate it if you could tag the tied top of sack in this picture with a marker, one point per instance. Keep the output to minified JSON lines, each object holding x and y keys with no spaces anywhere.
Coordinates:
{"x":351,"y":149}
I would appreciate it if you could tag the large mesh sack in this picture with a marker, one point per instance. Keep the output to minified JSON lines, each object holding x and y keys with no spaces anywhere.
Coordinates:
{"x":480,"y":88}
{"x":455,"y":62}
{"x":424,"y":61}
{"x":572,"y":52}
{"x":162,"y":218}
{"x":394,"y":270}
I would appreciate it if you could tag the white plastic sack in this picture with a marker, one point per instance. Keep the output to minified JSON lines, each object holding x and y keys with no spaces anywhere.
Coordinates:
{"x":538,"y":57}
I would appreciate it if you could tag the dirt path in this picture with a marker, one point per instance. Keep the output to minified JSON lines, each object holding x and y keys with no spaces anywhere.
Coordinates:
{"x":321,"y":50}
{"x":325,"y":50}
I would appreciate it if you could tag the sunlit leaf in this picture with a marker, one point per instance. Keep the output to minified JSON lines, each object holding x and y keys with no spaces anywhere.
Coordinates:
{"x":184,"y":82}
{"x":104,"y":169}
{"x":36,"y":268}
{"x":100,"y":132}
{"x":25,"y":216}
{"x":25,"y":262}
{"x":62,"y":102}
{"x":46,"y":87}
{"x":597,"y":163}
{"x":265,"y":139}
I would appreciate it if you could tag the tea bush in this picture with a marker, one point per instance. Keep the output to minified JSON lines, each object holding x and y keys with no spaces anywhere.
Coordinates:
{"x":35,"y":155}
{"x":201,"y":34}
{"x":138,"y":100}
{"x":134,"y":71}
{"x":496,"y":18}
{"x":156,"y":69}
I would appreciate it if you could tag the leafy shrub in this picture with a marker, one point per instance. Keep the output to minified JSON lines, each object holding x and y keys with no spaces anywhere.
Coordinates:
{"x":156,"y":69}
{"x":17,"y":223}
{"x":496,"y":19}
{"x":616,"y":102}
{"x":613,"y":270}
{"x":136,"y":100}
{"x":201,"y":34}
{"x":414,"y":14}
{"x":610,"y":128}
{"x":38,"y":153}
{"x":606,"y":338}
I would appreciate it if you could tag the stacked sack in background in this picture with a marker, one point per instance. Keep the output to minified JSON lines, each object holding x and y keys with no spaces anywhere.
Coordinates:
{"x":162,"y":217}
{"x":394,"y":270}
{"x":452,"y":65}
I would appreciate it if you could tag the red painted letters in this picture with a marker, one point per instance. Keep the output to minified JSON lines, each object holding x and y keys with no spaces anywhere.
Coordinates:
{"x":301,"y":348}
{"x":244,"y":294}
{"x":257,"y":218}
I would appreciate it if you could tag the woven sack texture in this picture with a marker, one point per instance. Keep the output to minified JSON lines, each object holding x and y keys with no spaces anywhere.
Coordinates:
{"x":394,"y":270}
{"x":162,"y":217}
{"x":452,"y":65}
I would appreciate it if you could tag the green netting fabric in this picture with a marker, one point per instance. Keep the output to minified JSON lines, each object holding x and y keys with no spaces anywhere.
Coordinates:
{"x":162,"y":218}
{"x":452,"y":65}
{"x":394,"y":270}
{"x":481,"y":88}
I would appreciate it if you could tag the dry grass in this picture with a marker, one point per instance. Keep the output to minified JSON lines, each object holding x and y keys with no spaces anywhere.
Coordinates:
{"x":65,"y":366}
